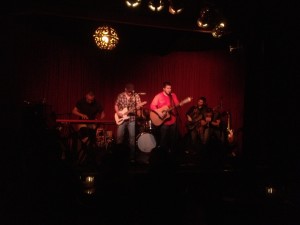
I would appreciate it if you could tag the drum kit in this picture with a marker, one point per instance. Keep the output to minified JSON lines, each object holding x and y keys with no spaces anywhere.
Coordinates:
{"x":145,"y":140}
{"x":145,"y":130}
{"x":104,"y":138}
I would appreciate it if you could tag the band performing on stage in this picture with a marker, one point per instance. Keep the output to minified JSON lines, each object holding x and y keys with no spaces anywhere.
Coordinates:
{"x":142,"y":130}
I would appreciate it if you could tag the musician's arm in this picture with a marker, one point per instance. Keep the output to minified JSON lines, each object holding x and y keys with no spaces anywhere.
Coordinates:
{"x":189,"y":118}
{"x":175,"y":99}
{"x":118,"y":111}
{"x":203,"y":121}
{"x":76,"y":112}
{"x":154,"y":106}
{"x":189,"y":113}
{"x":101,"y":115}
{"x":216,"y":122}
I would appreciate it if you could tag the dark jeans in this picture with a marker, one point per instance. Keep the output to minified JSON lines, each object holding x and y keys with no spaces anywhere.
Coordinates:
{"x":168,"y":136}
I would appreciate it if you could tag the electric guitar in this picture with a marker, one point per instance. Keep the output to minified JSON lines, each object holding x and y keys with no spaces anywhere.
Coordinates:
{"x":230,"y":134}
{"x":125,"y":112}
{"x":157,"y":120}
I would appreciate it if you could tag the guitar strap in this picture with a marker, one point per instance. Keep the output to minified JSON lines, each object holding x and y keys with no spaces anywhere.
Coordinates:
{"x":175,"y":110}
{"x":171,"y":103}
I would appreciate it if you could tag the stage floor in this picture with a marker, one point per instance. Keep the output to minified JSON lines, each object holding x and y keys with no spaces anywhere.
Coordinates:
{"x":158,"y":189}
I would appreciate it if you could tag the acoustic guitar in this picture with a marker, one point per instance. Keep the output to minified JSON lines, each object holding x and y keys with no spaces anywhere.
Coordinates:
{"x":125,"y":112}
{"x":158,"y":120}
{"x":194,"y":123}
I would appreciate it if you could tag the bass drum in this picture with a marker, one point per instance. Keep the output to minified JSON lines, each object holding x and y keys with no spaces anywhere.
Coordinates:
{"x":146,"y":142}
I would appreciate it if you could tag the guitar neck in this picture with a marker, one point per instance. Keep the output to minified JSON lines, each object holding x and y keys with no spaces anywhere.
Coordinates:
{"x":228,"y":121}
{"x":170,"y":109}
{"x":132,"y":110}
{"x":179,"y":104}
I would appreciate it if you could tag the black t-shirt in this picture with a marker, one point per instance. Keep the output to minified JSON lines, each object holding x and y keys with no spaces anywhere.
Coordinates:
{"x":89,"y":109}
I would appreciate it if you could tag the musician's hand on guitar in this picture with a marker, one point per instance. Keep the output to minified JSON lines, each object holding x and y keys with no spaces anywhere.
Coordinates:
{"x":202,"y":122}
{"x":208,"y":119}
{"x":162,"y":114}
{"x":120,"y":115}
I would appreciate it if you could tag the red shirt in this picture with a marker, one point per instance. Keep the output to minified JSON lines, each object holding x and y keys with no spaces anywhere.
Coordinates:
{"x":161,"y":100}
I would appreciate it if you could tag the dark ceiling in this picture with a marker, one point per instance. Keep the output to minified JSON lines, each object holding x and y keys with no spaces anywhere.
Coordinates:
{"x":161,"y":28}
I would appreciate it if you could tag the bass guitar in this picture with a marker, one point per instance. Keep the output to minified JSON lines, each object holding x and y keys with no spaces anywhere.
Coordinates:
{"x":125,"y":112}
{"x":155,"y":117}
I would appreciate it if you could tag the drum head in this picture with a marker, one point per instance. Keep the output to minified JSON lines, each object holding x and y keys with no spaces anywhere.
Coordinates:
{"x":146,"y":142}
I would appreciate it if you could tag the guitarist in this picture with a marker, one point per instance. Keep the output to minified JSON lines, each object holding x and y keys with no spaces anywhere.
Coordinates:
{"x":128,"y":100}
{"x":195,"y":116}
{"x":167,"y":131}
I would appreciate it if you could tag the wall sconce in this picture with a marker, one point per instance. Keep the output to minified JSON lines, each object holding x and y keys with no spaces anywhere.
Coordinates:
{"x":235,"y":47}
{"x":133,"y":3}
{"x":106,"y":38}
{"x":156,"y":5}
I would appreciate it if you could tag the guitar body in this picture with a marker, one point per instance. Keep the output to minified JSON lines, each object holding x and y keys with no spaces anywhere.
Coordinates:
{"x":191,"y":125}
{"x":125,"y":112}
{"x":156,"y":119}
{"x":120,"y":120}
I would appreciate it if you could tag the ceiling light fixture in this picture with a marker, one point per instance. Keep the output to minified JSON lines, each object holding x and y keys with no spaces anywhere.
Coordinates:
{"x":219,"y":30}
{"x":205,"y":18}
{"x":133,"y":3}
{"x":106,"y":38}
{"x":156,"y":5}
{"x":175,"y":6}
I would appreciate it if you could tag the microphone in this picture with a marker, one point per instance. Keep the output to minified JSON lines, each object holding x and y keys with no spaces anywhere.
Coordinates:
{"x":142,"y":93}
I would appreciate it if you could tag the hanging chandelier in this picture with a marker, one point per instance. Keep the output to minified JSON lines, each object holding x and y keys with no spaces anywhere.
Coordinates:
{"x":106,"y":38}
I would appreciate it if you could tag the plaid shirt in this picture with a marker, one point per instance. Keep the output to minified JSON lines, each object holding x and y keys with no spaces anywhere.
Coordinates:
{"x":130,"y":104}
